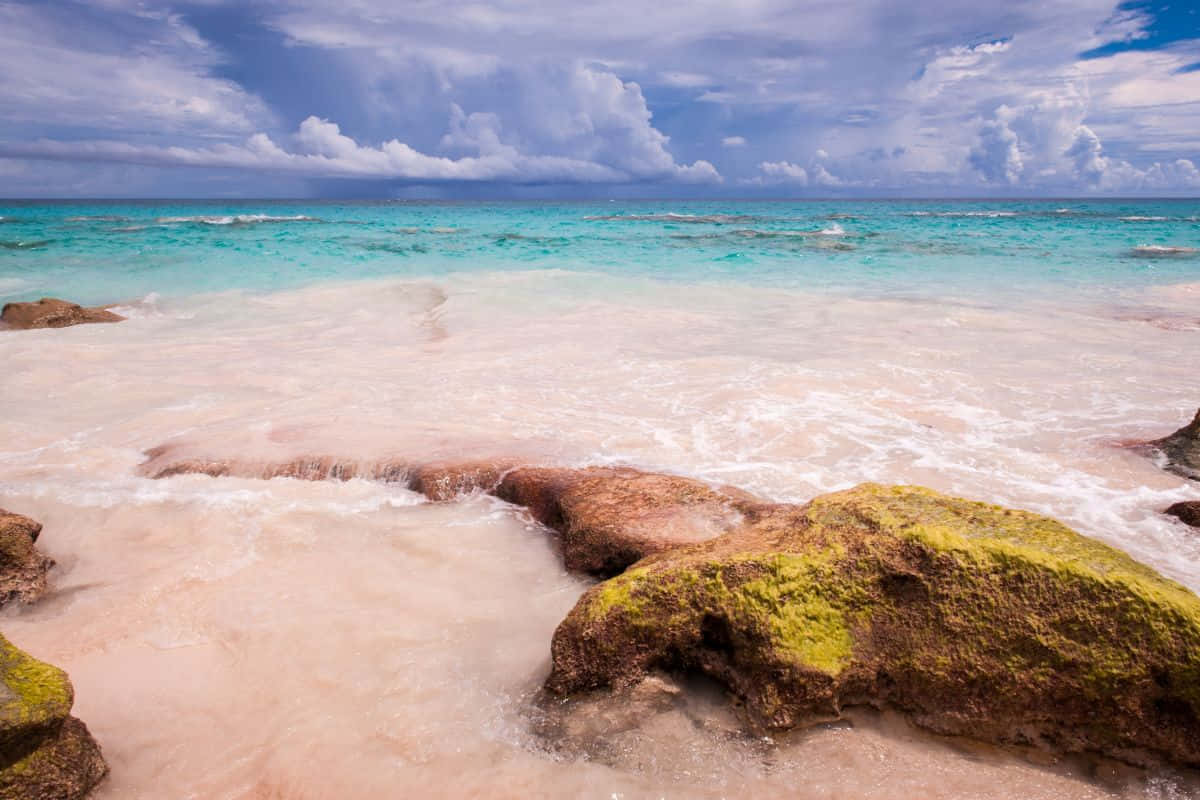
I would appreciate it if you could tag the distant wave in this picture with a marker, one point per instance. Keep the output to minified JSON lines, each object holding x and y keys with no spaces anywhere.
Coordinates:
{"x":7,"y":244}
{"x":98,"y":218}
{"x":235,"y":219}
{"x":710,"y":219}
{"x":829,"y":238}
{"x":439,"y":230}
{"x":1163,"y":251}
{"x":989,"y":214}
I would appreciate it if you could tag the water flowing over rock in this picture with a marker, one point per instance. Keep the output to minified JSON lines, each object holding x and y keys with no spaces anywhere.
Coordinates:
{"x":50,"y":312}
{"x":606,"y":517}
{"x":971,"y":619}
{"x":1182,"y":449}
{"x":45,"y":754}
{"x":22,"y":567}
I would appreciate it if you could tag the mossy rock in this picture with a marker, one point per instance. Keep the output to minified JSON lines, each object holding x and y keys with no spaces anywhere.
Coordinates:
{"x":35,"y":699}
{"x":45,"y":754}
{"x":970,"y":618}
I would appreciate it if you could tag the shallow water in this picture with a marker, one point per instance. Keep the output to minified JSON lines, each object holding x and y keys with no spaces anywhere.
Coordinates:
{"x":235,"y":638}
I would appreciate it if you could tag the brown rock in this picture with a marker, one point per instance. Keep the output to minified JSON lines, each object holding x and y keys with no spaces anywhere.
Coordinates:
{"x":50,"y":312}
{"x":45,"y":754}
{"x":447,"y":481}
{"x":22,"y":567}
{"x":1182,"y":449}
{"x":1188,"y":511}
{"x":970,"y":619}
{"x":609,"y":518}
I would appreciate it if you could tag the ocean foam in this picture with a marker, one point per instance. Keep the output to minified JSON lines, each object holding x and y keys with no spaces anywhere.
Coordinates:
{"x":235,"y":219}
{"x":1163,"y":251}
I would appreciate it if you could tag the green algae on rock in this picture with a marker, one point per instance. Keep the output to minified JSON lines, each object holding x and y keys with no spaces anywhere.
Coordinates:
{"x":970,"y":618}
{"x":45,"y":754}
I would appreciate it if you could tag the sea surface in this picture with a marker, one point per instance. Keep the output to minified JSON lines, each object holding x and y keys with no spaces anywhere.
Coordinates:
{"x":241,"y":638}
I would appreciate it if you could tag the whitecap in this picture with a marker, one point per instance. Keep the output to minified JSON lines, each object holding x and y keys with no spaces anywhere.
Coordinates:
{"x":235,"y":219}
{"x":1163,"y":251}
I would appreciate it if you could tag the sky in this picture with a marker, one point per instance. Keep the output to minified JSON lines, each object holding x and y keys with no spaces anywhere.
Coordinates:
{"x":627,"y":98}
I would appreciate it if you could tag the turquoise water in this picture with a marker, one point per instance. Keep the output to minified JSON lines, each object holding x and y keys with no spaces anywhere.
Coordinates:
{"x":108,"y":252}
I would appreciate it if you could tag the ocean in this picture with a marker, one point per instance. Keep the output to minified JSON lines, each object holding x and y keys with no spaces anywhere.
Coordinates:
{"x":241,"y":638}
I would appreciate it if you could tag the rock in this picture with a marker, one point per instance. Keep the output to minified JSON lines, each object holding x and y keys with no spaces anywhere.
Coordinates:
{"x":1182,"y":449}
{"x":447,"y":481}
{"x":45,"y":754}
{"x":969,"y":618}
{"x":608,"y":518}
{"x":1188,"y":511}
{"x":50,"y":312}
{"x":22,"y":567}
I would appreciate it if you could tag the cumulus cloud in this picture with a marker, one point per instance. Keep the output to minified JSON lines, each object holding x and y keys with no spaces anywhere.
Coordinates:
{"x":1085,"y":154}
{"x":887,"y":96}
{"x":997,"y":155}
{"x":322,"y":150}
{"x":783,"y":172}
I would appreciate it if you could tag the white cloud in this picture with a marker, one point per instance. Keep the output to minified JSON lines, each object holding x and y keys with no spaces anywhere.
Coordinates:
{"x":62,"y":70}
{"x":782,"y":172}
{"x":733,"y":141}
{"x":322,"y":150}
{"x":997,"y":156}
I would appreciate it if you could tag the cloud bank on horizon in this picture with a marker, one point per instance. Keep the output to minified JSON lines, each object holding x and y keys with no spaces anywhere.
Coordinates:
{"x":463,"y":97}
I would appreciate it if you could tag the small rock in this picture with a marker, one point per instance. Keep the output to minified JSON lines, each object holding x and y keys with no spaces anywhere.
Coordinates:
{"x":50,"y":312}
{"x":1182,"y":449}
{"x":1188,"y":511}
{"x":22,"y":567}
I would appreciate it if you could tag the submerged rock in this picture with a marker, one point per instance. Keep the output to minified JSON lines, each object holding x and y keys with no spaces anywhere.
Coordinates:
{"x":22,"y":567}
{"x":969,"y":618}
{"x":50,"y":312}
{"x":1187,"y":512}
{"x":1182,"y":449}
{"x":45,"y":754}
{"x":608,"y":518}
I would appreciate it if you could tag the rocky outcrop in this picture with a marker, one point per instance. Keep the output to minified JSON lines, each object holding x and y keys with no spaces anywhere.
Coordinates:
{"x":1187,"y":512}
{"x":971,"y":619}
{"x":606,"y":517}
{"x":45,"y":754}
{"x":51,"y":312}
{"x":22,"y":567}
{"x":1182,"y":449}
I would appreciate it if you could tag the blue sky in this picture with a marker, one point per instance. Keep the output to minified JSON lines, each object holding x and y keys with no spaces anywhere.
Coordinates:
{"x":533,"y":98}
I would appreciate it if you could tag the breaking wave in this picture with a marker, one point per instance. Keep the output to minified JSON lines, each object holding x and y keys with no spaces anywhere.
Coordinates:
{"x":1163,"y":251}
{"x":709,"y":219}
{"x":234,"y":219}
